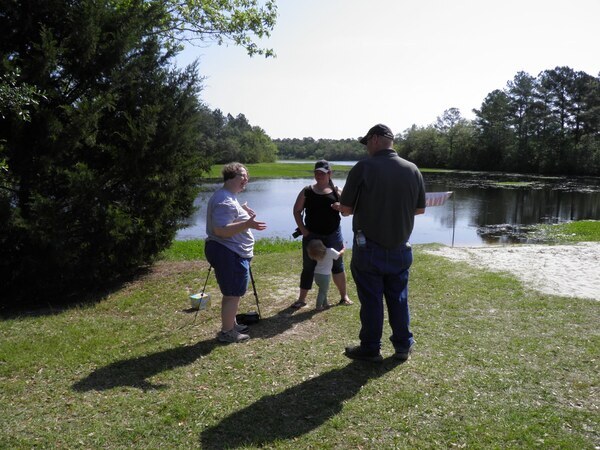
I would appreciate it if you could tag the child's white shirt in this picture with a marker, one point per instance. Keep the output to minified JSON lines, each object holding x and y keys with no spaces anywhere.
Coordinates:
{"x":324,"y":265}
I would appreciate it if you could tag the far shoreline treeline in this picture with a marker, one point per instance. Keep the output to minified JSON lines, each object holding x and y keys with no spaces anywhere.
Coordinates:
{"x":549,"y":124}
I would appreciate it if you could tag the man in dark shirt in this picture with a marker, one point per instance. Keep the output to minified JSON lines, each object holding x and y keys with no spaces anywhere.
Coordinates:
{"x":384,"y":192}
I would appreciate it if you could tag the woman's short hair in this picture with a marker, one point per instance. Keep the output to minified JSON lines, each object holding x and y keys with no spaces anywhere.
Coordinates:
{"x":316,"y":249}
{"x":232,"y":169}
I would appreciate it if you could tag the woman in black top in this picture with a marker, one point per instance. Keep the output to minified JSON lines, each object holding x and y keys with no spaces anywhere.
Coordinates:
{"x":317,"y":220}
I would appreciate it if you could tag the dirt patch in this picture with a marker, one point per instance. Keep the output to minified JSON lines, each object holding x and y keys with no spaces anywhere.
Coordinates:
{"x":566,"y":270}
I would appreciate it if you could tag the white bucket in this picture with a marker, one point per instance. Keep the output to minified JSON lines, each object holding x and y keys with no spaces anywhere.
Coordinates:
{"x":200,"y":301}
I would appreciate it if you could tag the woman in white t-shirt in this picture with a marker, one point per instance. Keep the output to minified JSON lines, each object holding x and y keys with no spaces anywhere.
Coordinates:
{"x":229,"y":246}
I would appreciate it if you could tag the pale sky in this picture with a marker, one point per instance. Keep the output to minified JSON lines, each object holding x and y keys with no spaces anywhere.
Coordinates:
{"x":345,"y":65}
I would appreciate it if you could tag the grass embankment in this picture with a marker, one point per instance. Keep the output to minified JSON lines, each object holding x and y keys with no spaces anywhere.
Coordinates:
{"x":280,"y":170}
{"x":290,"y":170}
{"x":582,"y":231}
{"x":496,"y":366}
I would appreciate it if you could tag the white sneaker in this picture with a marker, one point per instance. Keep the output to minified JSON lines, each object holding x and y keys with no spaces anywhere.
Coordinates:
{"x":232,"y":336}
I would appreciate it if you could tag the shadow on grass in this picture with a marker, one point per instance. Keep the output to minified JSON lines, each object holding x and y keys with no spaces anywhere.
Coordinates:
{"x":272,"y":326}
{"x":136,"y":371}
{"x":36,"y":304}
{"x":296,"y":411}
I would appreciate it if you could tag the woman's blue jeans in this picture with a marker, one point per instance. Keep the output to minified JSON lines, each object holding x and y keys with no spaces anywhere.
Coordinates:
{"x":383,"y":273}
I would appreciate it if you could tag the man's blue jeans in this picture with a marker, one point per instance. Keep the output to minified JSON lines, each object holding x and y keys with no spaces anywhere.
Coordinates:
{"x":382,"y":273}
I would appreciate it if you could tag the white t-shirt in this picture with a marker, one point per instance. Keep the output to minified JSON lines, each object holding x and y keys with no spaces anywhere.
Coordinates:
{"x":223,"y":208}
{"x":324,"y":265}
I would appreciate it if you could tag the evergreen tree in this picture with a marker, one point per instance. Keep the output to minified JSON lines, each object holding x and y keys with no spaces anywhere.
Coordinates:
{"x":524,"y":109}
{"x":423,"y":146}
{"x":495,"y":132}
{"x":98,"y":180}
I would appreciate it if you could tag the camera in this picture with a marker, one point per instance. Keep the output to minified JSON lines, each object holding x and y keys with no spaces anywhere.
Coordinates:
{"x":296,"y":233}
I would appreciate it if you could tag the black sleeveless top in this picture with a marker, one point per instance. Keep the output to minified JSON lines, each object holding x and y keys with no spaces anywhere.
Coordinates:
{"x":319,"y":217}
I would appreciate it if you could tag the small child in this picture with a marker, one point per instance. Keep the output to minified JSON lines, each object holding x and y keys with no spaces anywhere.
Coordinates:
{"x":324,"y":257}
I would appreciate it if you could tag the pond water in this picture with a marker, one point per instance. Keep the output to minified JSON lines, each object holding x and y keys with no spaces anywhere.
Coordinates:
{"x":485,"y":208}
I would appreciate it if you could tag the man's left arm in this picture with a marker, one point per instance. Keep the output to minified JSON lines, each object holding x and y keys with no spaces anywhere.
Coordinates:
{"x":421,"y":201}
{"x":349,"y":196}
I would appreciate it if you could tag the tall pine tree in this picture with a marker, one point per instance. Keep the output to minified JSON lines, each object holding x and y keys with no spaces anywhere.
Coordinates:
{"x":99,"y":178}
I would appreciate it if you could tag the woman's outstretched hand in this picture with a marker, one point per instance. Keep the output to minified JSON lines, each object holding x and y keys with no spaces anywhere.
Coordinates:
{"x":254,"y":224}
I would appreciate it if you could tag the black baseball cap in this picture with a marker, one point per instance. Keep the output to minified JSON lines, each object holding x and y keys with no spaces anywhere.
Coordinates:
{"x":322,"y":165}
{"x":380,"y":130}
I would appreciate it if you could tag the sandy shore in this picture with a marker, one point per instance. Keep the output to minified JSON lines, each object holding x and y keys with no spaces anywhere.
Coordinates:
{"x":566,"y":270}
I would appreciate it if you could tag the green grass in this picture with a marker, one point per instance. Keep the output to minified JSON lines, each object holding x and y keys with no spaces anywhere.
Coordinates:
{"x":194,"y":248}
{"x":581,"y":231}
{"x":289,"y":170}
{"x":280,"y":170}
{"x":496,"y":365}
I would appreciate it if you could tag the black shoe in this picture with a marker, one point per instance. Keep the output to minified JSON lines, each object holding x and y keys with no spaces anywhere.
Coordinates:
{"x":241,"y":328}
{"x":403,"y":355}
{"x":362,"y":354}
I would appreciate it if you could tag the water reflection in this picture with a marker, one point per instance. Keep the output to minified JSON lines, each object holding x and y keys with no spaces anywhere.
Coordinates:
{"x":482,"y":210}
